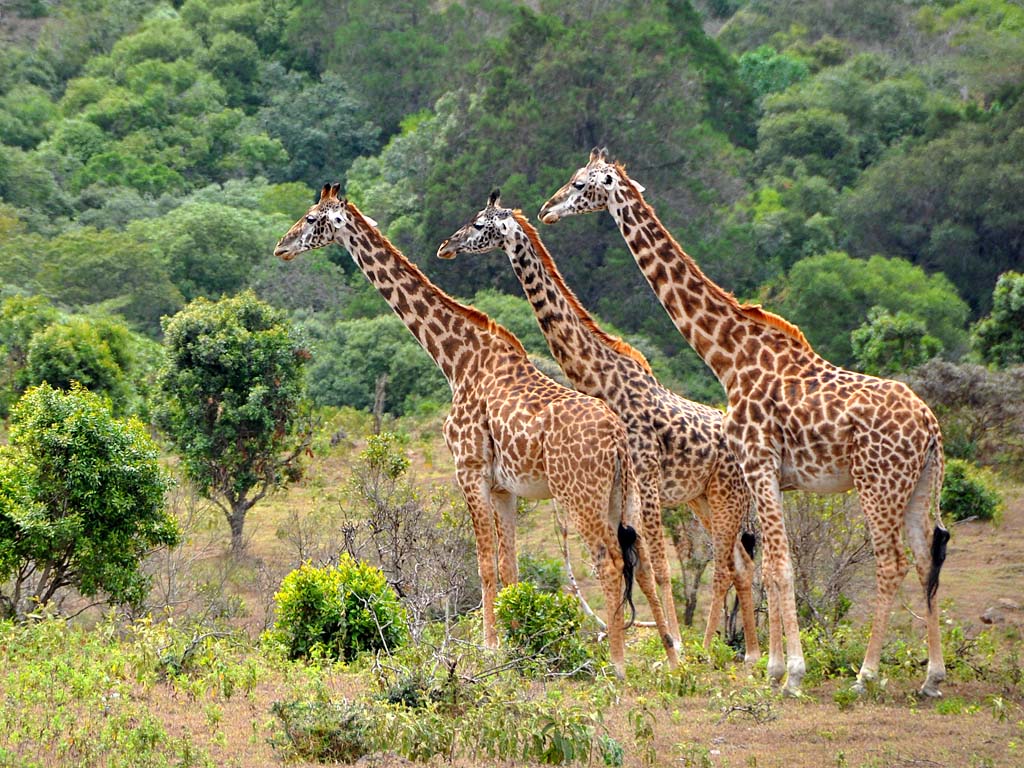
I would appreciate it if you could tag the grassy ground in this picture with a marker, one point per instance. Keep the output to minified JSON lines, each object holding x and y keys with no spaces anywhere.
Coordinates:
{"x":114,"y":693}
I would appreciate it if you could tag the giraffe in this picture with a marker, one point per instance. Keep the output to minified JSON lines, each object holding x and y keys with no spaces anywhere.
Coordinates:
{"x":795,"y":421}
{"x":512,"y":431}
{"x":678,"y":447}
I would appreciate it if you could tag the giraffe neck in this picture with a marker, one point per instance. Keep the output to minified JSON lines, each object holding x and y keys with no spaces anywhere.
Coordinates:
{"x":454,"y":335}
{"x":727,"y":335}
{"x":580,"y":347}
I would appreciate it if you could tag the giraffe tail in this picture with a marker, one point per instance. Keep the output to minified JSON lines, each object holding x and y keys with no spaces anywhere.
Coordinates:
{"x":624,"y":496}
{"x":935,"y":466}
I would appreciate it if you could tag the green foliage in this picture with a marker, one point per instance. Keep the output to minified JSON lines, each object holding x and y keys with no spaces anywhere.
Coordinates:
{"x":323,"y":731}
{"x":20,"y":318}
{"x":546,"y":573}
{"x":81,"y":499}
{"x":337,"y":612}
{"x":969,"y":491}
{"x":765,"y":70}
{"x":231,"y":390}
{"x":999,"y":337}
{"x":830,"y":295}
{"x":352,"y":355}
{"x":545,"y":627}
{"x":887,"y":344}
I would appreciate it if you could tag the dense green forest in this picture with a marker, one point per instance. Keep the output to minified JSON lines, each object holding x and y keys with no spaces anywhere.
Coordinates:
{"x":860,"y":169}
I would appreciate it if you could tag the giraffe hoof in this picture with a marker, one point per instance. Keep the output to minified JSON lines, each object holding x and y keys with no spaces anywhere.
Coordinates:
{"x":929,"y":691}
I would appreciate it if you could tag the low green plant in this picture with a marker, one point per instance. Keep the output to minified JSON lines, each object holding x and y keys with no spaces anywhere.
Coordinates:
{"x":323,"y":731}
{"x":845,"y":697}
{"x":544,"y":627}
{"x":612,"y":753}
{"x":336,"y":612}
{"x":969,"y":491}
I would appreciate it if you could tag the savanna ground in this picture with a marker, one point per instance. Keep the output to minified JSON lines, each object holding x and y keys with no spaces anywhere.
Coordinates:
{"x":200,"y":688}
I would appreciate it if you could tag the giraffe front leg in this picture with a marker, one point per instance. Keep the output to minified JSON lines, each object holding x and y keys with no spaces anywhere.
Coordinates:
{"x":482,"y":513}
{"x":505,"y":520}
{"x":777,"y":572}
{"x":646,"y":580}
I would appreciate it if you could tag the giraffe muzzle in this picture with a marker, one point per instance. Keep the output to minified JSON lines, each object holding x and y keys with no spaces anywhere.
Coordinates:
{"x":448,"y":250}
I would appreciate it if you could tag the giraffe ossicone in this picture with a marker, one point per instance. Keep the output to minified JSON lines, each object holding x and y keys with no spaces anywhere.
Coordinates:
{"x":795,"y":421}
{"x":512,"y":431}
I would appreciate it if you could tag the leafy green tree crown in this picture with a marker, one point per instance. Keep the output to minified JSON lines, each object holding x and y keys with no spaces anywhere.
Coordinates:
{"x":231,"y":390}
{"x":81,"y":499}
{"x":999,"y":338}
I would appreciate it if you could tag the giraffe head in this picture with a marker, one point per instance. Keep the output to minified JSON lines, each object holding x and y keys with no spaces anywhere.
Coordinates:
{"x":588,"y":190}
{"x":318,"y":227}
{"x":487,"y":231}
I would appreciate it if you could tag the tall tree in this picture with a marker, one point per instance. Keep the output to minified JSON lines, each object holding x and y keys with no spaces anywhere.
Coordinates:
{"x":233,"y":389}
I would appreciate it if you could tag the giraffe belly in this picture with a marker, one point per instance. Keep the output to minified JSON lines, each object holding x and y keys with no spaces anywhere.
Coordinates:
{"x":833,"y":479}
{"x":523,"y":485}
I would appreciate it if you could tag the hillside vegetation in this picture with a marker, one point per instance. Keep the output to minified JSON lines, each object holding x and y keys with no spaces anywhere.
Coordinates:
{"x":854,"y":165}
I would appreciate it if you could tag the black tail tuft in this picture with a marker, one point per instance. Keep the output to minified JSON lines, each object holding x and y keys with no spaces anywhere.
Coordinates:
{"x":749,"y":541}
{"x":627,"y":541}
{"x":939,"y":539}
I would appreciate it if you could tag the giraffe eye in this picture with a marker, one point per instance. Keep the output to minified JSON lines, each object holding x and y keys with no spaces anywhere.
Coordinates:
{"x":578,"y":185}
{"x":478,"y":225}
{"x":311,"y":218}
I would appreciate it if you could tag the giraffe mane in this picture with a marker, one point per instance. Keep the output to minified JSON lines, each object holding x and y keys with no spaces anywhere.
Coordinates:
{"x":753,"y":311}
{"x":614,"y":342}
{"x":478,"y":318}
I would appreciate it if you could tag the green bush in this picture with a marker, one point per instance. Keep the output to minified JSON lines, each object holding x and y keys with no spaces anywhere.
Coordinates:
{"x":546,"y":573}
{"x":969,"y":491}
{"x":545,"y":627}
{"x":338,"y":611}
{"x":324,"y":732}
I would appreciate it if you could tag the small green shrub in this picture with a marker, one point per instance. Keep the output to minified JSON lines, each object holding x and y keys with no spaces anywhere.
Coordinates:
{"x":969,"y":491}
{"x":544,"y":626}
{"x":323,"y":731}
{"x":546,"y":573}
{"x":338,"y":611}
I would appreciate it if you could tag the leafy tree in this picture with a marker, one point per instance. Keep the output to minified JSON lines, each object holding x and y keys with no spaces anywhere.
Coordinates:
{"x":890,"y":343}
{"x":765,"y":70}
{"x":232,"y":388}
{"x":817,"y":139}
{"x":96,"y":353}
{"x":209,"y":248}
{"x":830,"y":295}
{"x":25,"y":119}
{"x":950,"y":204}
{"x":999,"y":338}
{"x":81,"y":500}
{"x":20,"y":318}
{"x":352,"y":355}
{"x":321,"y":125}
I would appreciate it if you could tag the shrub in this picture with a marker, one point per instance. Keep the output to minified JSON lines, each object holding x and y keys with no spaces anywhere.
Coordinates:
{"x":324,"y":732}
{"x":543,"y":626}
{"x":545,"y":573}
{"x":969,"y":491}
{"x":338,"y":611}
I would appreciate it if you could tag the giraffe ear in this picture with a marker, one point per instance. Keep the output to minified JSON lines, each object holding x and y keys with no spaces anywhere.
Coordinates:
{"x":334,"y":189}
{"x":638,"y":186}
{"x":494,"y":198}
{"x":595,"y":154}
{"x":370,"y":221}
{"x":325,"y":192}
{"x":603,"y":155}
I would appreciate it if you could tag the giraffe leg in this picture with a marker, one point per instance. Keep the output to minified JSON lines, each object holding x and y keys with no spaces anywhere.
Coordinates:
{"x":654,"y":534}
{"x":890,"y":567}
{"x":721,"y":575}
{"x":505,"y":519}
{"x":608,"y":564}
{"x":743,"y":581}
{"x":483,"y":516}
{"x":918,"y":524}
{"x":646,"y":580}
{"x":777,"y":572}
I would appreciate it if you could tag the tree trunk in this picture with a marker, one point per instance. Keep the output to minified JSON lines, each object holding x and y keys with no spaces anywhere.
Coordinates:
{"x":236,"y":520}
